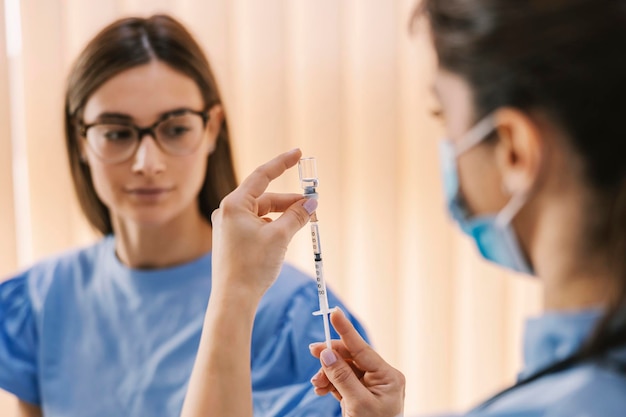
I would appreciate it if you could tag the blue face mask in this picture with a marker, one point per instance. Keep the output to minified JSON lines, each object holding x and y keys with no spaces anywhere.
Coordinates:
{"x":493,"y":234}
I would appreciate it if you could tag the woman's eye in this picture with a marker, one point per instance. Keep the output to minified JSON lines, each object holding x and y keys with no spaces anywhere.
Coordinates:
{"x":119,"y":134}
{"x":175,"y":131}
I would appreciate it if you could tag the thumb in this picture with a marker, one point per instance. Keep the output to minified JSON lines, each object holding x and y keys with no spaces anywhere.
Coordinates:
{"x":296,"y":216}
{"x":341,"y":375}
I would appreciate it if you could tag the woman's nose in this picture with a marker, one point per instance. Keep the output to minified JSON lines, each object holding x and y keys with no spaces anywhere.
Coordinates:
{"x":149,"y":158}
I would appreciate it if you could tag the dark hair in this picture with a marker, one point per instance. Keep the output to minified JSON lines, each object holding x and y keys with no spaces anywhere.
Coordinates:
{"x":128,"y":43}
{"x":564,"y":58}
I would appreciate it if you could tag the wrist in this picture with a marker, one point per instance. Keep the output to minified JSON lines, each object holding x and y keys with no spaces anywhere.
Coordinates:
{"x":230,"y":315}
{"x":236,"y":285}
{"x":233,"y":299}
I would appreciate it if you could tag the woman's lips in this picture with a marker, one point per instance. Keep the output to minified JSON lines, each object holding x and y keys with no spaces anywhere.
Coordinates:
{"x":149,"y":194}
{"x":152,"y":190}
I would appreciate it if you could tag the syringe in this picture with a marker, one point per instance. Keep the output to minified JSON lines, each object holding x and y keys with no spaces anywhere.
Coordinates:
{"x":307,"y":168}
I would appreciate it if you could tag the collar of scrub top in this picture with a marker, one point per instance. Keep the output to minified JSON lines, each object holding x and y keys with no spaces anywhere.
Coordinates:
{"x":552,"y":343}
{"x":554,"y":337}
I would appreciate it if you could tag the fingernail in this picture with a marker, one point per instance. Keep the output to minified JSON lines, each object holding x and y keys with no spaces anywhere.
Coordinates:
{"x":328,"y":357}
{"x":310,"y":205}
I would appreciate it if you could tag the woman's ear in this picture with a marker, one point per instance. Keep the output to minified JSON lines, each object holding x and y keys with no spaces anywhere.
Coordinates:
{"x":520,"y":150}
{"x":216,"y":118}
{"x":214,"y":124}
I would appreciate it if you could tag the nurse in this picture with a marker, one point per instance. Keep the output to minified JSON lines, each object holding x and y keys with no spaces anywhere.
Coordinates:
{"x":532,"y":95}
{"x":113,"y":329}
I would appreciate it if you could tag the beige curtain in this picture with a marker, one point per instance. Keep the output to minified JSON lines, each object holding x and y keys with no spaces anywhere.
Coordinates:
{"x":345,"y":81}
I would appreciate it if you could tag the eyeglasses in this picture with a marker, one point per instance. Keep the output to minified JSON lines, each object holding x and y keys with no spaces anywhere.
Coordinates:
{"x":178,"y":133}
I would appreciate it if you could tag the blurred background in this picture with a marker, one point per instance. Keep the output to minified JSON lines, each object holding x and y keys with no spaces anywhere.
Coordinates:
{"x":347,"y":82}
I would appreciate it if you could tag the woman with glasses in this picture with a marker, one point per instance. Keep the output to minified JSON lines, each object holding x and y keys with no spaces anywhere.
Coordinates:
{"x":533,"y":93}
{"x":113,"y":329}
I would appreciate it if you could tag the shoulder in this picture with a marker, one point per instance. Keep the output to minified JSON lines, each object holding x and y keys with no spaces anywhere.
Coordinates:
{"x":603,"y":394}
{"x":61,"y":269}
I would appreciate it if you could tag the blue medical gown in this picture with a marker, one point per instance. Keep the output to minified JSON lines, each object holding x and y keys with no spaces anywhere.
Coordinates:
{"x":587,"y":390}
{"x":83,"y":335}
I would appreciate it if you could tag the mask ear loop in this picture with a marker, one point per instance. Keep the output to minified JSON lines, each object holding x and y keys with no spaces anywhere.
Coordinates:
{"x":515,"y":204}
{"x":476,"y":135}
{"x":479,"y":132}
{"x":510,"y":238}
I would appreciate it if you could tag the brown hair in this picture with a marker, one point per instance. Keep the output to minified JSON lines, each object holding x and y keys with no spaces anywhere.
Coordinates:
{"x":124,"y":44}
{"x":564,"y":58}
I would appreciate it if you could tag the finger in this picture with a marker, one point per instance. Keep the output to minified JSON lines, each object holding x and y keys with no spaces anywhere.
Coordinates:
{"x":276,"y":203}
{"x":342,"y":377}
{"x":317,"y":348}
{"x":336,"y":394}
{"x":364,"y":356}
{"x":320,"y":380}
{"x":258,"y":181}
{"x":216,"y":216}
{"x":321,"y":391}
{"x":330,"y":390}
{"x":295,"y":217}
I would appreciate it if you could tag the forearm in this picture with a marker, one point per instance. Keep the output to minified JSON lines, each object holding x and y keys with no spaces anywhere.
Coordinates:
{"x":220,"y":382}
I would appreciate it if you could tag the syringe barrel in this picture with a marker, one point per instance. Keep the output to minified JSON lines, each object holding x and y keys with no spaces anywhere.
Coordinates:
{"x":315,"y":239}
{"x":319,"y":277}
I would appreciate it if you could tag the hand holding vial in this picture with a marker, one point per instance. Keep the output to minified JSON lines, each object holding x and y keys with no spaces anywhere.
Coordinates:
{"x":245,"y":240}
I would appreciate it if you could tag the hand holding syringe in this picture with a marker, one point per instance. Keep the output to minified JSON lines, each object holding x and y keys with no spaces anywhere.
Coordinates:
{"x":309,"y":182}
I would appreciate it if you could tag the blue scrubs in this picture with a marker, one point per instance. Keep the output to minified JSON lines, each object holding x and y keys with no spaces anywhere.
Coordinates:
{"x":83,"y":335}
{"x":585,"y":390}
